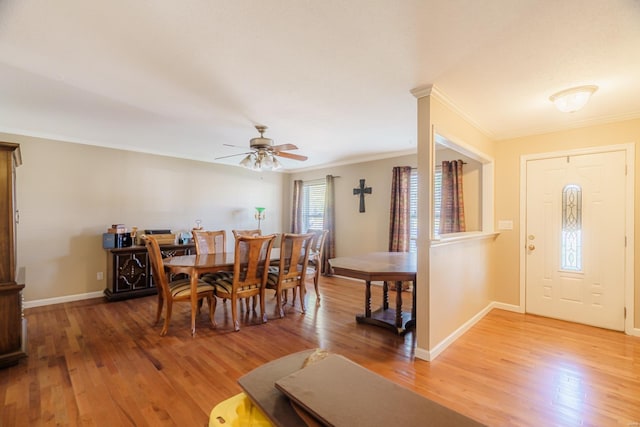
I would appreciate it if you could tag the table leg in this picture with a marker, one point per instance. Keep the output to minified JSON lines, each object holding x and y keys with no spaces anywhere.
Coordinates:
{"x":398,"y":304}
{"x":385,"y":295}
{"x":194,"y":300}
{"x":367,"y":299}
{"x":412,"y":322}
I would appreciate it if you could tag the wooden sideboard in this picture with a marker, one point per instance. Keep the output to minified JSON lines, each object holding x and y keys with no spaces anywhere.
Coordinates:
{"x":129,"y":270}
{"x":12,"y":323}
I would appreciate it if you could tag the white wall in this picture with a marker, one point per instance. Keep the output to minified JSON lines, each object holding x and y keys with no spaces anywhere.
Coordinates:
{"x":69,"y":194}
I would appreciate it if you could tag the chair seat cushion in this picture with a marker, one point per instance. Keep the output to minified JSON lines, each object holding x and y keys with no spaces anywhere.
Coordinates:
{"x":224,"y":284}
{"x":274,"y":275}
{"x":182,"y":287}
{"x":212,"y":278}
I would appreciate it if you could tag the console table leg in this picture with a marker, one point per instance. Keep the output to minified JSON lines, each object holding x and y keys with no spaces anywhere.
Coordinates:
{"x":385,"y":295}
{"x":398,"y":304}
{"x":367,"y":299}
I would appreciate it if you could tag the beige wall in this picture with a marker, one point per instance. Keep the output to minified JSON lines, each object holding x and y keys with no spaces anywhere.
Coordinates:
{"x":508,"y":154}
{"x":69,"y":194}
{"x":357,"y":232}
{"x":455,"y":281}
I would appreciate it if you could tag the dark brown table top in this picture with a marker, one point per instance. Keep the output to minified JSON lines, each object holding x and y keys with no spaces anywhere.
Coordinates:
{"x":377,"y":266}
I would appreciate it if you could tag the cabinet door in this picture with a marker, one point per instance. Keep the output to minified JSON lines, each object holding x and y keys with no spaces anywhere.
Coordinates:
{"x":132,"y":271}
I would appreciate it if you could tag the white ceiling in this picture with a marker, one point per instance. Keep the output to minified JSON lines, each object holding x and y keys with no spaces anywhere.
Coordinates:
{"x":182,"y":78}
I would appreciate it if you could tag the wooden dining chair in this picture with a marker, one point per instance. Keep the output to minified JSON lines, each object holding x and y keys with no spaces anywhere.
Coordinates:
{"x":292,"y":268}
{"x":315,"y":257}
{"x":175,"y":290}
{"x":256,"y":232}
{"x":209,"y":242}
{"x":249,"y":275}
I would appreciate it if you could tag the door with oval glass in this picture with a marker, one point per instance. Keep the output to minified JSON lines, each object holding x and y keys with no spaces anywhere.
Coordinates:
{"x":575,"y":238}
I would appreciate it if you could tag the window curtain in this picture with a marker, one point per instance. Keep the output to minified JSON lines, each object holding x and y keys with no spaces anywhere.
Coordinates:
{"x":399,"y":233}
{"x":329,"y":224}
{"x":452,"y":207}
{"x":296,"y":210}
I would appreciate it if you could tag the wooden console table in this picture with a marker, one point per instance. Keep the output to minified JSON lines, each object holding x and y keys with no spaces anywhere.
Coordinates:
{"x":387,"y":267}
{"x":129,"y":270}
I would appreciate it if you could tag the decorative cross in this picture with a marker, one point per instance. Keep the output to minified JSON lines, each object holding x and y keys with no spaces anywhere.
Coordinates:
{"x":362,"y":190}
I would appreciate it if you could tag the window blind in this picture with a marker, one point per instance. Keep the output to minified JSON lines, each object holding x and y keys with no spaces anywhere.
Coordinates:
{"x":413,"y":210}
{"x":313,"y":205}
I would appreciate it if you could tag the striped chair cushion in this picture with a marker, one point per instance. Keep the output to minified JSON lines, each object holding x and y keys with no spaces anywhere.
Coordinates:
{"x":272,"y":279}
{"x":224,"y":283}
{"x":212,"y":278}
{"x":182,"y":287}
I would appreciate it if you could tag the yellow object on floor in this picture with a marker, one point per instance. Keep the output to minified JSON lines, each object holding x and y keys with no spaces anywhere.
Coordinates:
{"x":238,"y":411}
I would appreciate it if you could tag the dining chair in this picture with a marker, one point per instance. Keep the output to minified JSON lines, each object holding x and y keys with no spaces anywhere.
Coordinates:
{"x":256,"y":232}
{"x":209,"y":242}
{"x":315,"y":257}
{"x":249,"y":275}
{"x":175,"y":290}
{"x":292,"y":268}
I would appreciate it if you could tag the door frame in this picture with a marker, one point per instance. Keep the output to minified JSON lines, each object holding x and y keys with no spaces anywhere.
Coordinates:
{"x":629,"y":291}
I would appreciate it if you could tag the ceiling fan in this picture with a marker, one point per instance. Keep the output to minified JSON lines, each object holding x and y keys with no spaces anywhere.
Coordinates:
{"x":263,"y":153}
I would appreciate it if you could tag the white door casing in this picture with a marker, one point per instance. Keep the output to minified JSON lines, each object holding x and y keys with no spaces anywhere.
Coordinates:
{"x":595,"y":293}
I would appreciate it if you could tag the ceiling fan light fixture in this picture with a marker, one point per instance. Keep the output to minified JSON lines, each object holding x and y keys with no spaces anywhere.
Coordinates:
{"x":267,"y":162}
{"x":246,"y":162}
{"x":573,"y":99}
{"x":276,"y":164}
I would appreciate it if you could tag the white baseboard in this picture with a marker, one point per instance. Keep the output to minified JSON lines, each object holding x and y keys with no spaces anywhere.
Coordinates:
{"x":60,"y":300}
{"x":430,"y":355}
{"x":508,"y":307}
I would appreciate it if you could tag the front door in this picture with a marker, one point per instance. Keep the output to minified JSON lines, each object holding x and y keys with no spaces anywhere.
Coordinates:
{"x":575,"y":238}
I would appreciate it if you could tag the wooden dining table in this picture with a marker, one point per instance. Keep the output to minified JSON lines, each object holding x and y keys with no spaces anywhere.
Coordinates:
{"x":394,"y":267}
{"x":196,"y":265}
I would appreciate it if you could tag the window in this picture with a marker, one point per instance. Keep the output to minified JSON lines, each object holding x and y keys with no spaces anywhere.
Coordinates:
{"x":413,"y":210}
{"x":313,"y":205}
{"x":571,"y":228}
{"x":478,"y":187}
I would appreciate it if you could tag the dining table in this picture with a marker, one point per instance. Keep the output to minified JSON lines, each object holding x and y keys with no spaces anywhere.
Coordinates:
{"x":196,"y":265}
{"x":396,"y":267}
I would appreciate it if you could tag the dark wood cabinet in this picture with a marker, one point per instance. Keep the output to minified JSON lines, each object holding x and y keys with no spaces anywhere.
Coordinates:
{"x":12,"y":322}
{"x":129,"y":271}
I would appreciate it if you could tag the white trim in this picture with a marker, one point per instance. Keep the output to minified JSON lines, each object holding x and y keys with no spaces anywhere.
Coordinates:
{"x":452,"y":238}
{"x":430,"y":355}
{"x":60,"y":300}
{"x":508,"y":307}
{"x":629,"y":150}
{"x":488,"y":177}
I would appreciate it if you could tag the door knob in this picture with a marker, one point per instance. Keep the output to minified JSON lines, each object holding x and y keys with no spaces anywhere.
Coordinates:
{"x":531,"y":247}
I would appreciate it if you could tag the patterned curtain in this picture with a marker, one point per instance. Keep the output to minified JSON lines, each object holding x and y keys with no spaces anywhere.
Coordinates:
{"x":329,"y":224}
{"x":296,"y":210}
{"x":399,"y":211}
{"x":452,"y":207}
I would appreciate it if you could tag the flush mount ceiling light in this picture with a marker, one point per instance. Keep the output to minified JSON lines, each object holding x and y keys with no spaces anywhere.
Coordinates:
{"x":573,"y":99}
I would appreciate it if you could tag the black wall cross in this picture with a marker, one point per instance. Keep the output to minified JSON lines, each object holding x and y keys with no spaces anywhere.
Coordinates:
{"x":362,"y":190}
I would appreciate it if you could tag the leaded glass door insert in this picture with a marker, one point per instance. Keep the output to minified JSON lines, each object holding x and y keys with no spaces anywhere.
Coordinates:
{"x":571,"y":246}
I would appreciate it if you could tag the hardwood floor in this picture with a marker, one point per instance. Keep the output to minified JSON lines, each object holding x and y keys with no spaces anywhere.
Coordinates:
{"x":95,"y":363}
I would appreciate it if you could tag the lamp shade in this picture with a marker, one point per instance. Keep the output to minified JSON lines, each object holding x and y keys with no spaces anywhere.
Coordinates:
{"x":574,"y":99}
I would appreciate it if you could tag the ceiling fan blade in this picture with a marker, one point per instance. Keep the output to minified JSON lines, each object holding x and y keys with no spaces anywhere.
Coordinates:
{"x":290,"y":155}
{"x":284,"y":147}
{"x":232,"y":155}
{"x":236,"y":146}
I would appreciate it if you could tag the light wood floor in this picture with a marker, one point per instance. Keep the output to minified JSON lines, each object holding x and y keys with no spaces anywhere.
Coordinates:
{"x":94,"y":363}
